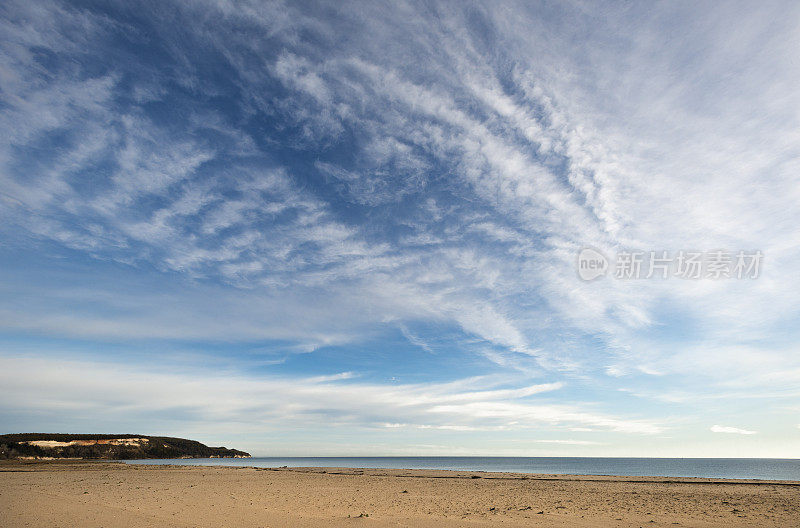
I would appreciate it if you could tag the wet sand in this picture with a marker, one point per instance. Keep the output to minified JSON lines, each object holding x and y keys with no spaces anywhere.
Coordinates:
{"x":109,"y":494}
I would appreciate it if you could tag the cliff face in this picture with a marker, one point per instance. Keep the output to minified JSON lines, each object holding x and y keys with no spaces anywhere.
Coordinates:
{"x":116,"y":447}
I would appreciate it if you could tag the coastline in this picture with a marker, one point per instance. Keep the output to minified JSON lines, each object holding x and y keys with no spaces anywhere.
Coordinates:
{"x":105,"y":493}
{"x":714,"y":468}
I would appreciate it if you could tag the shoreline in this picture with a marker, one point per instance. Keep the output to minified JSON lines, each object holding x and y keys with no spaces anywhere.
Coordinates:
{"x":518,"y":474}
{"x":479,"y":474}
{"x":110,"y":493}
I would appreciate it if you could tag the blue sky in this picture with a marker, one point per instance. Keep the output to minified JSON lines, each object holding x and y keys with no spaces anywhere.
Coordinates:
{"x":352,"y":228}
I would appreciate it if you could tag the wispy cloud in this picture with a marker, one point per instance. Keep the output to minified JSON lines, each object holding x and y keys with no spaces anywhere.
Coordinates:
{"x":266,"y":402}
{"x":731,"y":430}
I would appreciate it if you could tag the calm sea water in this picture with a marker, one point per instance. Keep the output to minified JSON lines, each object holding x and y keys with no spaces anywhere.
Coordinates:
{"x":749,"y":468}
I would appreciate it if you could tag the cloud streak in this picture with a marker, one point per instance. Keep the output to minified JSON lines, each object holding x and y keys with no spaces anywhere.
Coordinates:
{"x":731,"y":430}
{"x":267,"y":402}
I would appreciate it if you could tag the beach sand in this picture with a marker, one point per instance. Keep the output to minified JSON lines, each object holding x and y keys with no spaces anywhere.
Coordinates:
{"x":109,"y":494}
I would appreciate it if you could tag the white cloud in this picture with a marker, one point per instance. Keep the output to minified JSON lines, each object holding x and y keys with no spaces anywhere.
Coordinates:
{"x":568,"y":442}
{"x":731,"y":430}
{"x":268,"y":402}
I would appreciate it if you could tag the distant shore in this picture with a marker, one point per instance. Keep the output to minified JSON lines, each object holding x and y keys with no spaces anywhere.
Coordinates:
{"x":101,"y":493}
{"x":92,"y":446}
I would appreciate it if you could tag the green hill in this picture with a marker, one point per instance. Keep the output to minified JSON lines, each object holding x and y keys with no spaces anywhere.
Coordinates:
{"x":107,"y":446}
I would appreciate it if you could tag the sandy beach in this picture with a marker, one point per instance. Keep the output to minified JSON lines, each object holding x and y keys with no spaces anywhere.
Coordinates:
{"x":89,"y":494}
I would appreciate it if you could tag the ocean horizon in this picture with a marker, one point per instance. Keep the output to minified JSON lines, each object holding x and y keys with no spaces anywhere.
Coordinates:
{"x":729,"y":468}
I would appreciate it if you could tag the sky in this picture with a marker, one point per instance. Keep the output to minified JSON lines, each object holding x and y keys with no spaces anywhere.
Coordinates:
{"x":353,"y":228}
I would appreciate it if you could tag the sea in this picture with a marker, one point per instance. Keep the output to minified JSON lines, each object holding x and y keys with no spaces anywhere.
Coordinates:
{"x":729,"y":468}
